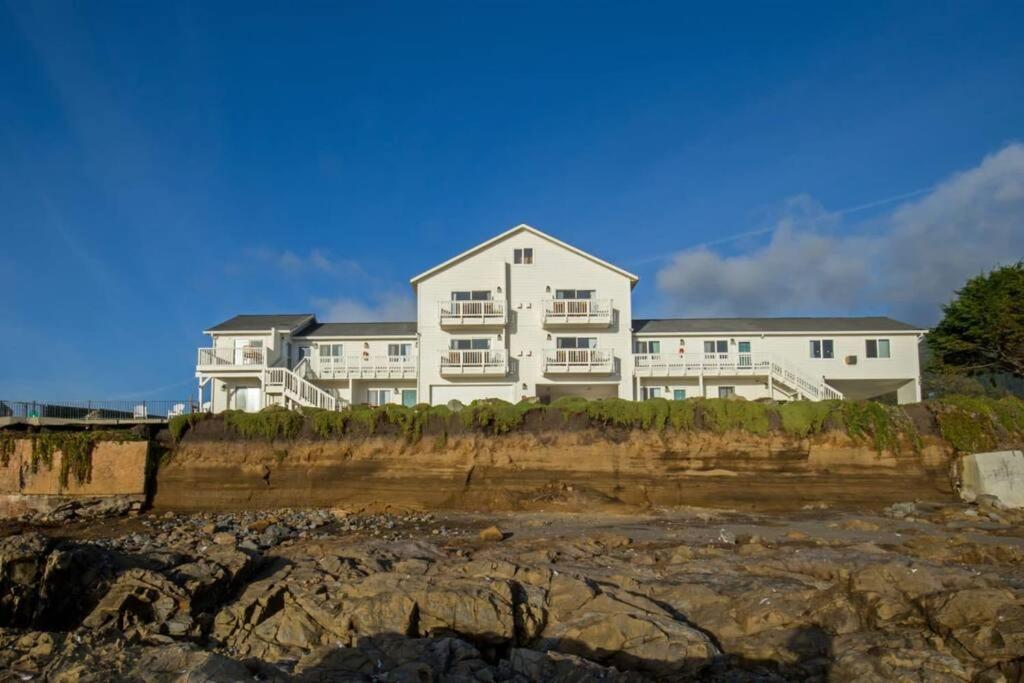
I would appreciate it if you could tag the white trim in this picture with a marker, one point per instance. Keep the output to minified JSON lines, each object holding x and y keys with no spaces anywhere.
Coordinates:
{"x":522,"y":227}
{"x":753,"y":335}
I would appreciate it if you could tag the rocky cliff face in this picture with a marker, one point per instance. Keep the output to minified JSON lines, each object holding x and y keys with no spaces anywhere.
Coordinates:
{"x":928,"y":593}
{"x":580,"y":469}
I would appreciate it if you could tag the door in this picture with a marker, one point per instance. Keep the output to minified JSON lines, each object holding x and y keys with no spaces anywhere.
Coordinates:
{"x":745,"y":360}
{"x":248,"y":399}
{"x":408,"y":397}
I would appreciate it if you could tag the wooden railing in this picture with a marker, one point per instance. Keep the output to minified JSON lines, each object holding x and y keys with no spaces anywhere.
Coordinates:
{"x":247,"y":356}
{"x":579,"y":360}
{"x":481,"y":362}
{"x":489,"y":312}
{"x":578,"y":311}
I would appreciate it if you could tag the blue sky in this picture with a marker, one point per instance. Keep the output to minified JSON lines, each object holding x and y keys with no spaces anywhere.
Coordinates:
{"x":163,"y":167}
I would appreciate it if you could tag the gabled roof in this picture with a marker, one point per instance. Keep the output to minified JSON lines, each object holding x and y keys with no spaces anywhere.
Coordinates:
{"x":522,"y":227}
{"x":368,"y":329}
{"x":263,"y":323}
{"x":758,"y":325}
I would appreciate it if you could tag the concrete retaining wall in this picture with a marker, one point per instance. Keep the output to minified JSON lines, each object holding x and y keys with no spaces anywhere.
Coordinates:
{"x":118,"y":469}
{"x":999,"y":474}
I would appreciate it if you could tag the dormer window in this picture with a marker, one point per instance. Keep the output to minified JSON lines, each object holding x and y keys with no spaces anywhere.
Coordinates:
{"x":523,"y":257}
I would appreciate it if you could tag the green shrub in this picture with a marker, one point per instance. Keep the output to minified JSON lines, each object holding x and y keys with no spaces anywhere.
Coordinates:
{"x":869,"y":419}
{"x":971,"y":423}
{"x":179,"y":424}
{"x":268,"y":424}
{"x":570,"y":405}
{"x":804,"y":418}
{"x":682,"y":415}
{"x":727,"y":415}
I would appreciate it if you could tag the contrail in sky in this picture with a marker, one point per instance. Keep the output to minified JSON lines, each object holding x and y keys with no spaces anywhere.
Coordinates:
{"x":764,"y":231}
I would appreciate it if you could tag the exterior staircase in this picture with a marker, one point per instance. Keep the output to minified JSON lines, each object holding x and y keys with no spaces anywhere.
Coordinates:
{"x":298,"y":392}
{"x":799,"y":386}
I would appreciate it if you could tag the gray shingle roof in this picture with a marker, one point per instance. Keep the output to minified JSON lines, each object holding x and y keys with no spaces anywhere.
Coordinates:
{"x":757,"y":325}
{"x":384,"y":329}
{"x":247,"y":323}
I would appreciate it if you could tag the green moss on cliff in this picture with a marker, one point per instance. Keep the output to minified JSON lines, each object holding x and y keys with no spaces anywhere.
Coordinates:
{"x":972,"y":423}
{"x":179,"y":424}
{"x":804,"y":418}
{"x":268,"y":424}
{"x":76,"y":450}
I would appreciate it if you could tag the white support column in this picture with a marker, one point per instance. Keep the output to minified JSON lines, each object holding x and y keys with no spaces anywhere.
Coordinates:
{"x":700,"y":383}
{"x":771,"y":386}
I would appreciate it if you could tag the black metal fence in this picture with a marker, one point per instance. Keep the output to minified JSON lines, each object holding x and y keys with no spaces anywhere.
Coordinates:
{"x":97,"y":410}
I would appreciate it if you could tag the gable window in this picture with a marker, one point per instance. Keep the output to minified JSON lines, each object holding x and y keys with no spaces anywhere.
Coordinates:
{"x":716,"y":346}
{"x":652,"y":346}
{"x":523,"y":257}
{"x":877,"y":348}
{"x":650,"y":392}
{"x":470,"y":344}
{"x":472,"y":295}
{"x":574,"y":294}
{"x":822,"y":348}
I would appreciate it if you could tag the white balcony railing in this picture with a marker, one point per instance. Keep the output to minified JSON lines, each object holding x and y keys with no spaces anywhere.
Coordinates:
{"x":474,"y":362}
{"x":489,"y":312}
{"x":226,"y":358}
{"x":578,"y":312}
{"x":733,"y":364}
{"x":668,"y":365}
{"x":579,"y":360}
{"x":345,"y":367}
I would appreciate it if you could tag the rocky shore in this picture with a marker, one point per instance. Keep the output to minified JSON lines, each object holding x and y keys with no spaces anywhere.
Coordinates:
{"x":915,"y":592}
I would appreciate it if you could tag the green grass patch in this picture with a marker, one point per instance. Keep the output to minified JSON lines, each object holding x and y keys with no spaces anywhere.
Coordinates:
{"x":974,"y":423}
{"x":804,"y":418}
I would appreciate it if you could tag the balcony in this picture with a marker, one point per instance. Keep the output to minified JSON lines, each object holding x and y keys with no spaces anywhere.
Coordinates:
{"x":577,"y":312}
{"x":579,"y":361}
{"x":474,"y":363}
{"x":363,"y":367}
{"x":692,"y":365}
{"x":227,"y":358}
{"x":489,"y":313}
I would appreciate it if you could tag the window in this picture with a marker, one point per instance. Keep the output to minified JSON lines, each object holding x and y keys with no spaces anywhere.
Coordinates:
{"x":522,"y":256}
{"x":470,"y":344}
{"x":399,"y":350}
{"x":647,"y":347}
{"x":472,"y":295}
{"x":378,"y":397}
{"x":726,"y":392}
{"x":678,"y":394}
{"x":332,"y":350}
{"x":877,"y":348}
{"x":716,"y":346}
{"x":576,"y":343}
{"x":650,"y":392}
{"x":822,"y":348}
{"x":574,"y":293}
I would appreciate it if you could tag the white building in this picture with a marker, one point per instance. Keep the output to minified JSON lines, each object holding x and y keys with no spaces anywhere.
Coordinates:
{"x":527,"y":315}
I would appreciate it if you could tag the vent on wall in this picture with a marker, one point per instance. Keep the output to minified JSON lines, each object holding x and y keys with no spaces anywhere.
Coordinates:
{"x":851,"y":360}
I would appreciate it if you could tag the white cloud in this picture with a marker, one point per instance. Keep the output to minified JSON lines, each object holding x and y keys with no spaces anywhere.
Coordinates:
{"x":907,"y":264}
{"x":388,"y":307}
{"x":291,"y":263}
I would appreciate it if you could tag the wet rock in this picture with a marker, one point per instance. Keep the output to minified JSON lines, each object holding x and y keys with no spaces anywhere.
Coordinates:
{"x":492,"y":533}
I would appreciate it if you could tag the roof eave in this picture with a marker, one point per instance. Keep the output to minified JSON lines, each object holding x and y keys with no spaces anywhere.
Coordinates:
{"x":519,"y":228}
